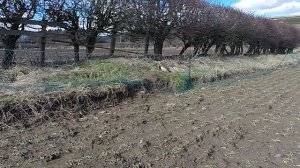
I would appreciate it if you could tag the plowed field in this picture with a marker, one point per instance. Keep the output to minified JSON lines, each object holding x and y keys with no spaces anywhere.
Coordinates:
{"x":253,"y":122}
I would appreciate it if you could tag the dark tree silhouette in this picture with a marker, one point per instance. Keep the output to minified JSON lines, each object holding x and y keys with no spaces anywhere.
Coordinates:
{"x":11,"y":13}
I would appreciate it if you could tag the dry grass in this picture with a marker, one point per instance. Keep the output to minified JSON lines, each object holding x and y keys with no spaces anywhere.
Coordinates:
{"x":27,"y":92}
{"x":20,"y":80}
{"x":69,"y":103}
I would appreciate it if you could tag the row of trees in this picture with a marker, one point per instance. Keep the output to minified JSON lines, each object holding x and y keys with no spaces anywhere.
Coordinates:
{"x":196,"y":23}
{"x":230,"y":30}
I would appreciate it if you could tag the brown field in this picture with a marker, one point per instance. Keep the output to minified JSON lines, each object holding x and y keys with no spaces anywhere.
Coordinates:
{"x":251,"y":122}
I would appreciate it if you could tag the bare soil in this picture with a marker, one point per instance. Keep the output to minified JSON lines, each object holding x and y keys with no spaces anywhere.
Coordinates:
{"x":250,"y":123}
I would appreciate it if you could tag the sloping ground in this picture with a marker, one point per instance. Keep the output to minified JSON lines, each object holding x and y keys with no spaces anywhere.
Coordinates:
{"x":254,"y":122}
{"x":32,"y":80}
{"x":293,"y":20}
{"x":31,"y":95}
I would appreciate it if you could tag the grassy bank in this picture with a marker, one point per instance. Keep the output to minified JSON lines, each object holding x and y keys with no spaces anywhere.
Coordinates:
{"x":73,"y":90}
{"x":166,"y":73}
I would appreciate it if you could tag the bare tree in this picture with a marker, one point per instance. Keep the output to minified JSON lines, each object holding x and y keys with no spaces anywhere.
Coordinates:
{"x":117,"y":22}
{"x":74,"y":14}
{"x":155,"y":19}
{"x":12,"y":12}
{"x":197,"y":23}
{"x":86,"y":19}
{"x":229,"y":30}
{"x":102,"y":16}
{"x":137,"y":22}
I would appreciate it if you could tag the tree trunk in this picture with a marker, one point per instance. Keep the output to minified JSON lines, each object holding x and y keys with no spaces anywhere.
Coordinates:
{"x":281,"y":50}
{"x":185,"y":47}
{"x":76,"y":46}
{"x":257,"y":50}
{"x":217,"y":48}
{"x":250,"y":50}
{"x":212,"y":43}
{"x":42,"y":57}
{"x":223,"y":50}
{"x":90,"y":44}
{"x":89,"y":51}
{"x":290,"y":51}
{"x":242,"y":49}
{"x":196,"y":50}
{"x":232,"y":49}
{"x":158,"y":47}
{"x":272,"y":50}
{"x":9,"y":44}
{"x":239,"y":49}
{"x":146,"y":47}
{"x":205,"y":45}
{"x":113,"y":44}
{"x":76,"y":52}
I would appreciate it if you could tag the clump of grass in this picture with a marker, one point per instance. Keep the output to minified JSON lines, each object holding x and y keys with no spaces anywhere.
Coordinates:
{"x":108,"y":152}
{"x":174,"y":79}
{"x":289,"y":158}
{"x":99,"y":73}
{"x":93,"y":72}
{"x":177,"y":149}
{"x":211,"y":166}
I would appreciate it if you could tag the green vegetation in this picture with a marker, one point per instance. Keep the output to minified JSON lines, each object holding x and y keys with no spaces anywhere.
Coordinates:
{"x":177,"y":149}
{"x":168,"y":74}
{"x":95,"y":71}
{"x":98,"y":73}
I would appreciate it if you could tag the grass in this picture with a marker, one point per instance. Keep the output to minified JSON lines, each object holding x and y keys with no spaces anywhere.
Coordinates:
{"x":107,"y":72}
{"x":177,"y":149}
{"x":104,"y":73}
{"x":97,"y":73}
{"x":289,"y":158}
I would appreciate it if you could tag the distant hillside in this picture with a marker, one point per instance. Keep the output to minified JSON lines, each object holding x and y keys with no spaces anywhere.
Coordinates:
{"x":293,"y":20}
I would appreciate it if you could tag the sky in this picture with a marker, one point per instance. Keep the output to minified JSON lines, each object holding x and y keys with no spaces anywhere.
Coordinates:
{"x":268,"y":8}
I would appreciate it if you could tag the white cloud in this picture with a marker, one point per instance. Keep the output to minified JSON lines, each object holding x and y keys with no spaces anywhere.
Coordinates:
{"x":270,"y":7}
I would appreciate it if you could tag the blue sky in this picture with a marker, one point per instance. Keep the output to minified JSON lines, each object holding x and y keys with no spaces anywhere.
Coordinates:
{"x":224,"y":2}
{"x":268,"y":8}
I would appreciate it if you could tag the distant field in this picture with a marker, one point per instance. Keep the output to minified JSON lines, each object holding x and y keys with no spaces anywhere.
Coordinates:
{"x":294,"y":20}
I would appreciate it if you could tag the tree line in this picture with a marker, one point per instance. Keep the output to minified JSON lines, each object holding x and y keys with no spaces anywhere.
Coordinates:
{"x":197,"y":23}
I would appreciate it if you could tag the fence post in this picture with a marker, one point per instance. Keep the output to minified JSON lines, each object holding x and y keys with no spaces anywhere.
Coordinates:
{"x":189,"y":82}
{"x":190,"y":65}
{"x":146,"y":46}
{"x":43,"y":45}
{"x":113,"y":43}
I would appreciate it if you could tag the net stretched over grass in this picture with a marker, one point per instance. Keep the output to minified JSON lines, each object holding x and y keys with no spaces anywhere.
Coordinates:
{"x":36,"y":94}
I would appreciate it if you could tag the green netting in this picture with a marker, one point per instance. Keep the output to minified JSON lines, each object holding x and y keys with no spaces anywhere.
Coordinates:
{"x":236,"y":79}
{"x":136,"y":72}
{"x":184,"y":85}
